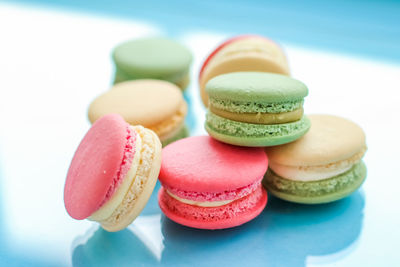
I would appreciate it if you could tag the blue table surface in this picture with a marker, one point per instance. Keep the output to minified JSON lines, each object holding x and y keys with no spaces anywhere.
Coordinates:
{"x":355,"y":231}
{"x":284,"y":234}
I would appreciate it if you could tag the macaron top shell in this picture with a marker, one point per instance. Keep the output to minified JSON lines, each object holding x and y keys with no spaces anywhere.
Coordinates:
{"x":143,"y":102}
{"x":94,"y":166}
{"x":256,"y":87}
{"x":233,"y":40}
{"x":202,"y":164}
{"x":330,"y":139}
{"x":219,"y":48}
{"x":157,"y":58}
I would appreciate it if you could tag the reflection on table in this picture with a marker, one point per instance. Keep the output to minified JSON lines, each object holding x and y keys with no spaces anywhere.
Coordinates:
{"x":284,"y":233}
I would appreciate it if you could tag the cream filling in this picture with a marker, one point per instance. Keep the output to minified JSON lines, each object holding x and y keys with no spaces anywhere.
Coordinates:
{"x":142,"y":186}
{"x":206,"y":204}
{"x":317,"y":172}
{"x":111,"y":205}
{"x":296,"y":173}
{"x":259,"y":118}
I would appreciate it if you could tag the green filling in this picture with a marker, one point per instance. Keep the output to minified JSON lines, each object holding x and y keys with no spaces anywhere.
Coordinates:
{"x":242,"y":129}
{"x":184,"y":132}
{"x":315,"y":188}
{"x":251,"y":107}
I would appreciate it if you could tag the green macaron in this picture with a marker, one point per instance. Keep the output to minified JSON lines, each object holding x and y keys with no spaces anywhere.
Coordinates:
{"x":324,"y":165}
{"x":256,"y":109}
{"x":152,"y":58}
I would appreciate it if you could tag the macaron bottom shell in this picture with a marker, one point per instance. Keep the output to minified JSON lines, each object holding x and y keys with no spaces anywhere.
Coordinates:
{"x":316,"y":192}
{"x":184,"y":132}
{"x":230,"y":215}
{"x":255,"y":135}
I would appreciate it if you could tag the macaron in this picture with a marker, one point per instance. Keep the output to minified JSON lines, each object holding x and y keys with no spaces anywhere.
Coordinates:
{"x":256,"y":109}
{"x":242,"y":53}
{"x":113,"y":173}
{"x":154,"y":104}
{"x":323,"y":166}
{"x":207,"y":184}
{"x":152,"y":58}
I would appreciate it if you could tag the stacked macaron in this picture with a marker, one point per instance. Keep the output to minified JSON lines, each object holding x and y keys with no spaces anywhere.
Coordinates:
{"x":256,"y":109}
{"x":208,"y":182}
{"x":254,"y":115}
{"x":252,"y":102}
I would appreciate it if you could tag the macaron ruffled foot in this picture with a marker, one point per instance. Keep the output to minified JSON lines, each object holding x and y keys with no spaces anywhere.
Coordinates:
{"x":207,"y":184}
{"x":256,"y":109}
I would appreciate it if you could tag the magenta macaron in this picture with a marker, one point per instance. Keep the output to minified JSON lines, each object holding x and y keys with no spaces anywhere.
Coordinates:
{"x":207,"y":184}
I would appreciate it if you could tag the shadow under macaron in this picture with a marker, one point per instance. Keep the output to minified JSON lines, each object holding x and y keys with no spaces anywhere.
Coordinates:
{"x":284,"y":234}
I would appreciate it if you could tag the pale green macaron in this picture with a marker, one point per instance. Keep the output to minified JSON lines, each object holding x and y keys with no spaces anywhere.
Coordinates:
{"x":152,"y":58}
{"x":256,"y":109}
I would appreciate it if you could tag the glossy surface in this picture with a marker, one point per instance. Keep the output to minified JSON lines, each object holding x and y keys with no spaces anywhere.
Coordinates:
{"x":54,"y":63}
{"x":281,"y":234}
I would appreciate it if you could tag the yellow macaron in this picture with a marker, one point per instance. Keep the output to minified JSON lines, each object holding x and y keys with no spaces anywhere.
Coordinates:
{"x":154,"y":104}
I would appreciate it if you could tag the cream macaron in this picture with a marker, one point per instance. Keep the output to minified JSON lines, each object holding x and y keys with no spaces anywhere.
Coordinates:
{"x":154,"y":104}
{"x":243,"y":53}
{"x":323,"y":166}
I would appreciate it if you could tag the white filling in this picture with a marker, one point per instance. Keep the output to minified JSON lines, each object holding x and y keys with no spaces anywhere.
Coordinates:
{"x":143,"y":184}
{"x":111,"y":205}
{"x":298,"y":173}
{"x":201,"y":203}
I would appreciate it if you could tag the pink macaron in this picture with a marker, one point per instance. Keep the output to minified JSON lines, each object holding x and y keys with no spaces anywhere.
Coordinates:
{"x":207,"y":184}
{"x":113,"y":172}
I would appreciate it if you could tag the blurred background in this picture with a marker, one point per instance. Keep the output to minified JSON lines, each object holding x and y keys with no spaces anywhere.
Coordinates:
{"x":55,"y":59}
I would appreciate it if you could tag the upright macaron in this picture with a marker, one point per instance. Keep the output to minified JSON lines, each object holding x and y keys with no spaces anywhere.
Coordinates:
{"x":211,"y":185}
{"x":113,"y":173}
{"x":152,"y":58}
{"x":242,"y":53}
{"x":323,"y":166}
{"x":154,"y":104}
{"x":256,"y":109}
